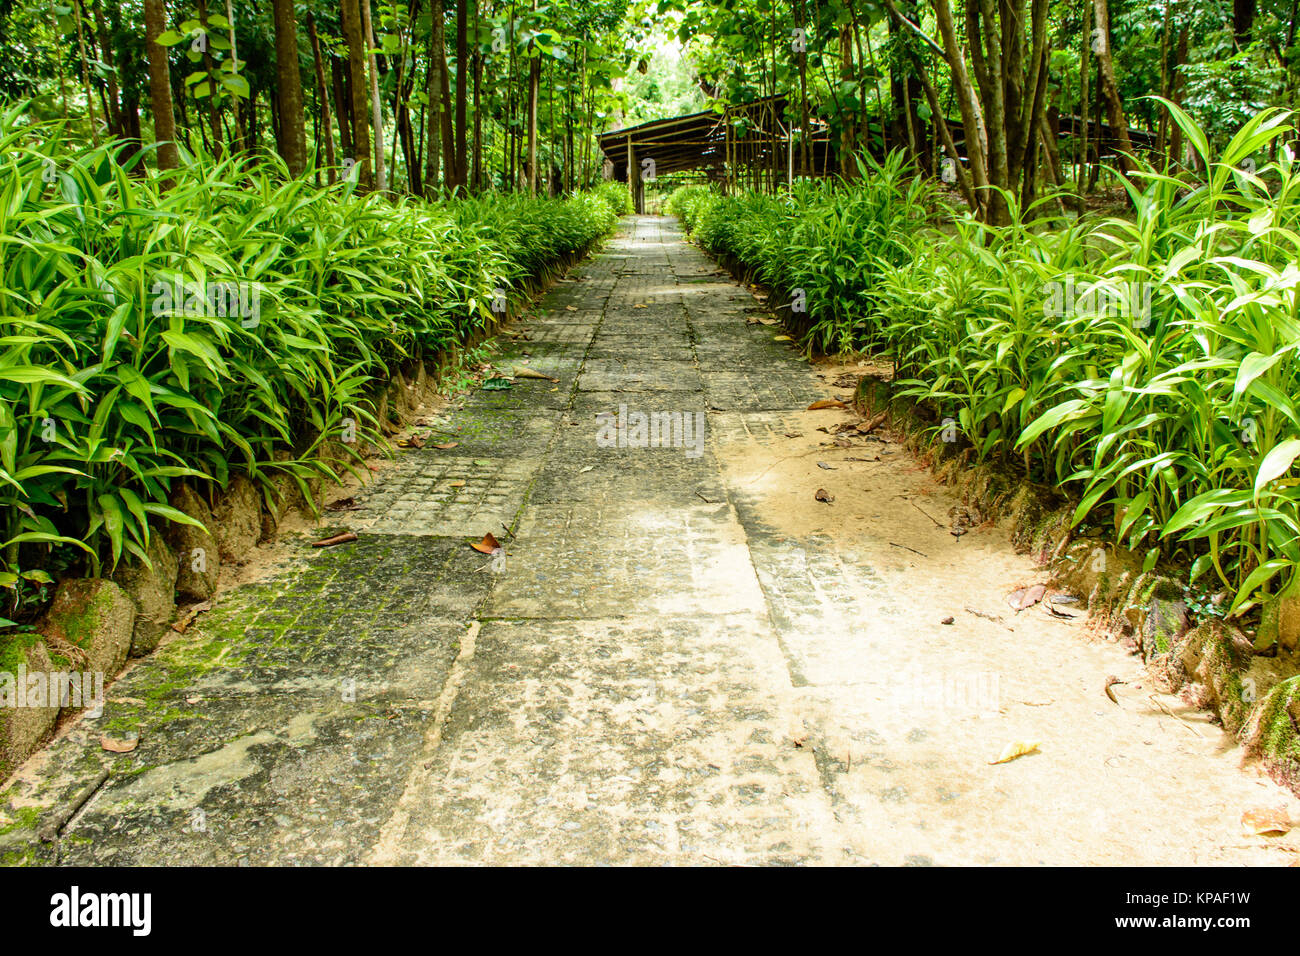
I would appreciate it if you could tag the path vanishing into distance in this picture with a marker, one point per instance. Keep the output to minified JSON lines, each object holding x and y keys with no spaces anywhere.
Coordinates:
{"x":682,"y":657}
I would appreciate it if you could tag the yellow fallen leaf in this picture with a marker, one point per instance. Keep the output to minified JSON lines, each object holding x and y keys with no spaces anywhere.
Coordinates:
{"x":1017,"y":748}
{"x":117,"y":745}
{"x":782,"y":338}
{"x":522,"y":371}
{"x":1266,"y":821}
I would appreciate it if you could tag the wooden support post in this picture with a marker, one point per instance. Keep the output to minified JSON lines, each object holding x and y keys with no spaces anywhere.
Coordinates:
{"x":634,"y":179}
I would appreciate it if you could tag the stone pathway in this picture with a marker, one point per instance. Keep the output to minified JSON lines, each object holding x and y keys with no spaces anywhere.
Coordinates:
{"x":682,"y":656}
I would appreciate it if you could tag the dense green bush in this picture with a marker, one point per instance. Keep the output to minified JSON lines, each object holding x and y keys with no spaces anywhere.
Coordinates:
{"x":1147,"y":364}
{"x":833,"y":242}
{"x":153,"y":336}
{"x":616,"y":195}
{"x":687,"y":202}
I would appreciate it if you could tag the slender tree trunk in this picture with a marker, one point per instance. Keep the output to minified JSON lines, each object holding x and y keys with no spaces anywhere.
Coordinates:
{"x":433,"y":92}
{"x":210,"y":67}
{"x":847,"y":138}
{"x":115,"y":126}
{"x":293,"y":145}
{"x":234,"y":60}
{"x":376,"y":107}
{"x":972,"y":122}
{"x":1176,"y":86}
{"x":342,"y":103}
{"x":534,"y":81}
{"x":353,"y":33}
{"x":1243,"y":22}
{"x":1109,"y":88}
{"x":462,"y":90}
{"x":80,"y":13}
{"x":1081,"y":181}
{"x":939,"y":118}
{"x":805,"y":158}
{"x":448,"y":130}
{"x":476,"y":174}
{"x":160,"y":88}
{"x":323,"y":97}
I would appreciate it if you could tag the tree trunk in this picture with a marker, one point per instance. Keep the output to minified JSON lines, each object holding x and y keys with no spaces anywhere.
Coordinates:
{"x":293,"y":144}
{"x":342,"y":103}
{"x":972,"y":123}
{"x":462,"y":90}
{"x":160,"y":88}
{"x":115,"y":125}
{"x":360,"y":105}
{"x":433,"y":91}
{"x":1109,"y":88}
{"x":1243,"y":22}
{"x":210,"y":68}
{"x":324,"y":98}
{"x":234,"y":60}
{"x":847,"y":168}
{"x":534,"y":81}
{"x":80,"y":14}
{"x":805,"y":144}
{"x":376,"y":108}
{"x":476,"y":173}
{"x":1081,"y":180}
{"x":1177,"y":83}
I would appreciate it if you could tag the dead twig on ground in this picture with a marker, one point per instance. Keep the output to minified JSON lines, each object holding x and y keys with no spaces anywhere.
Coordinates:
{"x":1152,"y":698}
{"x":906,"y":548}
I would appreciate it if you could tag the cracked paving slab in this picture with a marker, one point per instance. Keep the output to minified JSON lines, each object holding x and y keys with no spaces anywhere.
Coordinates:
{"x":680,"y":658}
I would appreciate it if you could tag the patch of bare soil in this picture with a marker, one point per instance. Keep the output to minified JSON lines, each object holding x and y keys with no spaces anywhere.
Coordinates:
{"x":947,"y":657}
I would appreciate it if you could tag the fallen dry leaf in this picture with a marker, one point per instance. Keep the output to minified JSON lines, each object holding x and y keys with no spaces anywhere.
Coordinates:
{"x":445,"y":445}
{"x":489,"y":544}
{"x":1266,"y":821}
{"x":572,"y":308}
{"x":782,"y":338}
{"x":1021,"y":598}
{"x":342,"y":538}
{"x":525,"y":372}
{"x":190,"y":613}
{"x":823,"y":495}
{"x":1017,"y":748}
{"x":119,"y":745}
{"x":826,"y":403}
{"x":1111,"y":681}
{"x":867,"y":427}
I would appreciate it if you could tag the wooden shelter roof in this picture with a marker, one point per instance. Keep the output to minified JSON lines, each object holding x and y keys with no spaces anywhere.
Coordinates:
{"x":682,"y":142}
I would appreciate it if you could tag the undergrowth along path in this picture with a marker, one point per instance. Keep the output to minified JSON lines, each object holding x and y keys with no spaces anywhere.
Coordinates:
{"x":682,"y":656}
